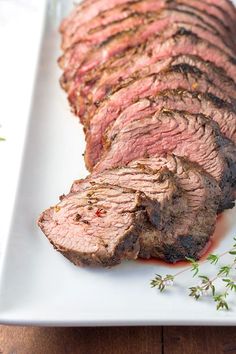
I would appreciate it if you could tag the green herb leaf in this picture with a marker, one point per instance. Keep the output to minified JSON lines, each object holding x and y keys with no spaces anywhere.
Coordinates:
{"x":161,"y":282}
{"x":224,"y":270}
{"x":207,"y":285}
{"x":213,"y":258}
{"x":196,"y":292}
{"x":195,"y":266}
{"x":213,"y":289}
{"x":221,"y":303}
{"x":230,"y":284}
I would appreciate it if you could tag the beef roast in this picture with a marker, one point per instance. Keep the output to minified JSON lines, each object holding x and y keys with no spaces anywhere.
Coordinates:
{"x":165,"y":199}
{"x":192,"y":136}
{"x":181,"y":43}
{"x":110,"y":81}
{"x":99,"y":223}
{"x":85,"y":13}
{"x":154,"y":83}
{"x":122,"y":41}
{"x":196,"y":102}
{"x":123,"y":11}
{"x":73,"y":57}
{"x":77,"y":51}
{"x":100,"y":203}
{"x":190,"y":232}
{"x":180,"y":76}
{"x":98,"y":226}
{"x":177,"y":237}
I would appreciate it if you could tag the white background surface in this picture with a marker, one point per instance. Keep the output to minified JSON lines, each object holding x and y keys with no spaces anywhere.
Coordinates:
{"x":37,"y":284}
{"x":21,"y":28}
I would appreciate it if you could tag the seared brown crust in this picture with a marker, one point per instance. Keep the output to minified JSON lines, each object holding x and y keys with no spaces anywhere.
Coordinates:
{"x":100,"y":220}
{"x":75,"y":228}
{"x":117,"y":78}
{"x":226,"y":14}
{"x":180,"y":76}
{"x":154,"y":83}
{"x":201,"y":192}
{"x":192,"y":136}
{"x":183,"y":42}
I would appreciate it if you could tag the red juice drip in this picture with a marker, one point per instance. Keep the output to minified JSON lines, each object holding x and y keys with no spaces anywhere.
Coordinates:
{"x":220,"y":232}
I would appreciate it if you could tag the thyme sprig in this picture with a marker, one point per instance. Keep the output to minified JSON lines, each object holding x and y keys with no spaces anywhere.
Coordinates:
{"x":206,"y":285}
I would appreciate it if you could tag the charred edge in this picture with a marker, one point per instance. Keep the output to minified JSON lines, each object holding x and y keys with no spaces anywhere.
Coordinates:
{"x":134,"y":14}
{"x":213,"y":17}
{"x":186,"y":69}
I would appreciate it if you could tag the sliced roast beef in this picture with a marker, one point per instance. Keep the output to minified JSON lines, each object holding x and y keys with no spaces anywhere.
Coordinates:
{"x":181,"y":13}
{"x":225,"y":5}
{"x":165,"y":199}
{"x":180,"y":76}
{"x":212,"y":20}
{"x":194,"y":102}
{"x":99,"y":223}
{"x":189,"y":233}
{"x":77,"y":52}
{"x":181,"y":43}
{"x":73,"y":57}
{"x":85,"y":13}
{"x":98,"y":226}
{"x":111,"y":80}
{"x":178,"y":14}
{"x":120,"y":42}
{"x":192,"y":136}
{"x":122,"y":11}
{"x":108,"y":18}
{"x":154,"y":84}
{"x":201,"y":192}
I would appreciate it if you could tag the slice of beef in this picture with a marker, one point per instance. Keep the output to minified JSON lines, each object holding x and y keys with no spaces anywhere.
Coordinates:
{"x":82,"y":14}
{"x":122,"y":11}
{"x":216,"y":11}
{"x":121,"y":41}
{"x":98,"y":226}
{"x":179,"y":14}
{"x":225,"y":5}
{"x":194,"y":102}
{"x":128,"y":39}
{"x":195,"y":137}
{"x":180,"y":76}
{"x":215,"y":22}
{"x":181,"y":43}
{"x":76,"y":52}
{"x":73,"y":57}
{"x":165,"y":199}
{"x":132,"y":61}
{"x":99,"y":35}
{"x":108,"y":18}
{"x":99,"y":223}
{"x":111,"y":80}
{"x":189,"y":233}
{"x":187,"y":228}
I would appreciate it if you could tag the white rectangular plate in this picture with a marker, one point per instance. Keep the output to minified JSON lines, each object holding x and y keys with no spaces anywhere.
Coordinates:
{"x":37,"y":284}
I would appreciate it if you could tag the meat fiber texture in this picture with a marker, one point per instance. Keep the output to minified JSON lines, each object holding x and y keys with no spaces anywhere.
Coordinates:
{"x":135,"y":211}
{"x":154,"y":84}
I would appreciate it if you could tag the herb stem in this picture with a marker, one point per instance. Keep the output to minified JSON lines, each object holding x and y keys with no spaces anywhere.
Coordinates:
{"x":203,"y":262}
{"x":206,"y":285}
